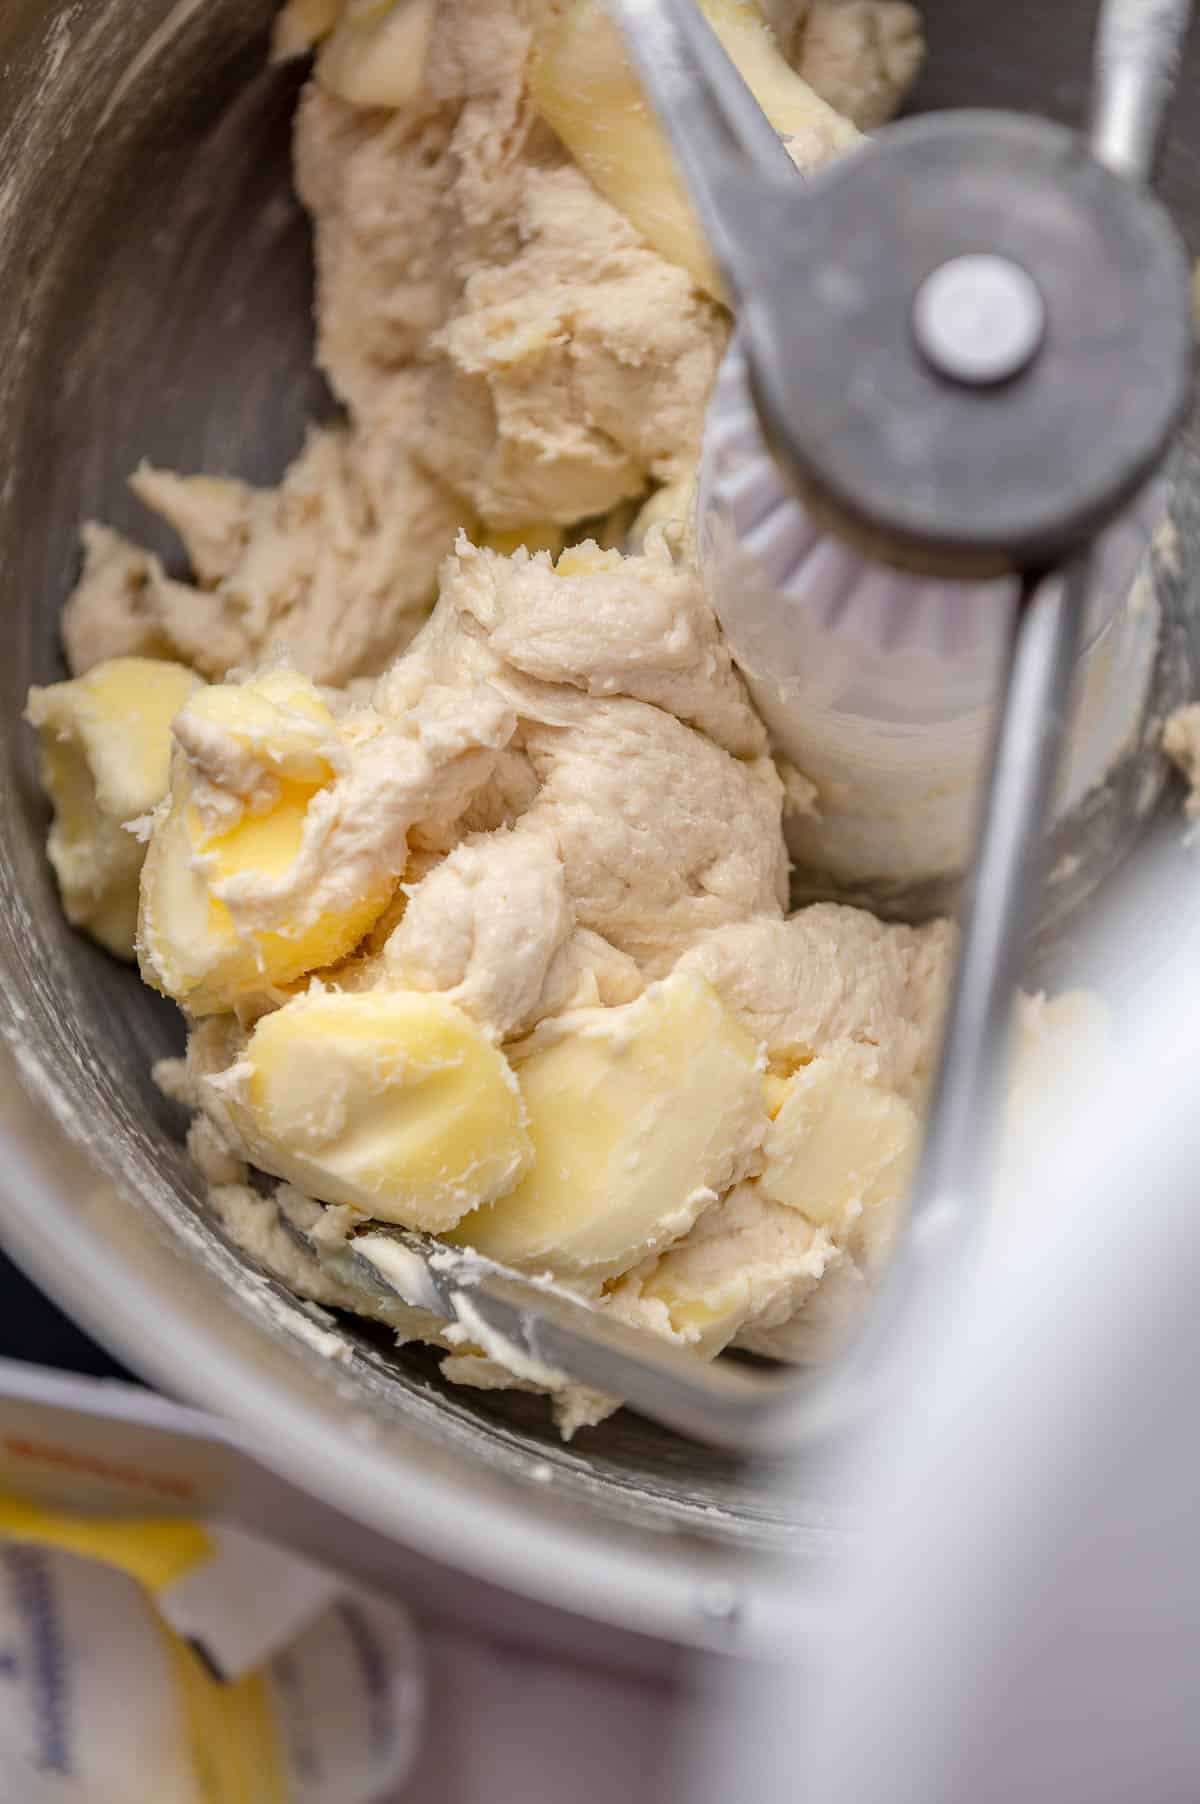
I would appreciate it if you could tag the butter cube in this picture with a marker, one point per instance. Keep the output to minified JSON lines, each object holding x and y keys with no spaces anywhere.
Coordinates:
{"x":301,"y":24}
{"x":776,"y":1091}
{"x":842,"y":1151}
{"x":375,"y":56}
{"x":105,"y":757}
{"x":583,"y":86}
{"x":394,"y":1102}
{"x":589,"y":559}
{"x":541,"y":535}
{"x":640,"y":1117}
{"x":220,"y":922}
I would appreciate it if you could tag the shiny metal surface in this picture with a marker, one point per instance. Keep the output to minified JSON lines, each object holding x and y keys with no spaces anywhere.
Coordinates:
{"x":980,"y":319}
{"x":156,"y":273}
{"x":1002,"y":899}
{"x":723,"y":144}
{"x":1139,"y":52}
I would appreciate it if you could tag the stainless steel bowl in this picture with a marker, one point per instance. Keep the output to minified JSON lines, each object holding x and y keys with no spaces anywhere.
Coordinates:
{"x":156,"y":302}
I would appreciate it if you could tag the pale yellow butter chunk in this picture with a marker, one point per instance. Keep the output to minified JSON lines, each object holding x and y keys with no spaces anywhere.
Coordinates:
{"x":747,"y":1260}
{"x":541,"y":535}
{"x":301,"y":24}
{"x":582,"y":85}
{"x":589,"y":559}
{"x":375,"y":55}
{"x":105,"y":759}
{"x":220,"y":919}
{"x":395,"y":1103}
{"x":640,"y":1117}
{"x":842,"y":1151}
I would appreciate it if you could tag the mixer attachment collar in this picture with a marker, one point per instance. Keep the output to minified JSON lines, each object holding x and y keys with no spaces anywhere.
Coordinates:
{"x":970,"y":343}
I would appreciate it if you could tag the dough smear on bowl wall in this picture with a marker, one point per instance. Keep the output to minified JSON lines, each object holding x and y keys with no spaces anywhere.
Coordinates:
{"x":461,"y":845}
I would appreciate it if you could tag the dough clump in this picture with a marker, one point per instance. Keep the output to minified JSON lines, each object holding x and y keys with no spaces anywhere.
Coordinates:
{"x":472,"y":835}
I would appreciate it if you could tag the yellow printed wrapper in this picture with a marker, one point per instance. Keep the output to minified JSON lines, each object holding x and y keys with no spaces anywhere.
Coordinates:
{"x":82,"y":1642}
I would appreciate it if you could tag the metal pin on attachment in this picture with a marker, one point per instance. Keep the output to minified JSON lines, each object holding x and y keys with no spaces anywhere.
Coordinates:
{"x":979,"y":319}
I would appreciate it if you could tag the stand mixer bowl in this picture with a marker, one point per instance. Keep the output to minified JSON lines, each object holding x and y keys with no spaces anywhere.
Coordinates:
{"x":158,"y":287}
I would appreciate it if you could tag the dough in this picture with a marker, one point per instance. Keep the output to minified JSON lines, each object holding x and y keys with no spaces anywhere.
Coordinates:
{"x":1181,"y":742}
{"x":835,"y":979}
{"x":529,"y":782}
{"x":582,"y":365}
{"x":338,"y":565}
{"x":861,"y":55}
{"x":485,"y":927}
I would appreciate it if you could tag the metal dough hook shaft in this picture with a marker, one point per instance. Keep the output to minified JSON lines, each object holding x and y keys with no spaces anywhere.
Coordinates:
{"x":717,"y":130}
{"x":1138,"y":53}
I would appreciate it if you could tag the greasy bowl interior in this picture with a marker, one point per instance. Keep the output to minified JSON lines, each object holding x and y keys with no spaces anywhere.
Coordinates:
{"x":156,"y":285}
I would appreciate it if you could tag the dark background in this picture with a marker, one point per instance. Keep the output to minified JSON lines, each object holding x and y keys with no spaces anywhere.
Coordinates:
{"x":31,"y":1328}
